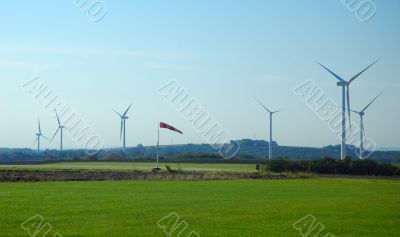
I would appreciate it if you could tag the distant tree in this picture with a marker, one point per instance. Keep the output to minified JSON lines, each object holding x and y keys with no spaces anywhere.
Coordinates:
{"x":386,"y":169}
{"x":343,"y":166}
{"x":364,"y":167}
{"x":300,"y":166}
{"x":93,"y":157}
{"x":279,"y":165}
{"x":324,"y":166}
{"x":115,"y":158}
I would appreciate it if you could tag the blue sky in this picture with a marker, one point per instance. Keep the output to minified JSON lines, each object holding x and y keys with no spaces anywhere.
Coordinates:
{"x":224,"y":53}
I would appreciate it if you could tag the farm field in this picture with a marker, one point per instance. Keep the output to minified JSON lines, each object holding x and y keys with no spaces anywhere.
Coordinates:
{"x":145,"y":166}
{"x":345,"y":207}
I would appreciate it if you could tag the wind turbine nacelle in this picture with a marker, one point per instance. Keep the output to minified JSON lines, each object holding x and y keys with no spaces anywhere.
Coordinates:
{"x":125,"y":117}
{"x":342,"y":83}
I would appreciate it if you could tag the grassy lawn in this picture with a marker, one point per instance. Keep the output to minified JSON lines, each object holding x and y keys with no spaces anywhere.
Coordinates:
{"x":346,"y":207}
{"x":137,"y":166}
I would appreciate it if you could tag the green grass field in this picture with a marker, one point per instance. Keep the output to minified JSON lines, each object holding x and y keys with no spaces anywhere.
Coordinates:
{"x":346,"y":207}
{"x":146,"y":166}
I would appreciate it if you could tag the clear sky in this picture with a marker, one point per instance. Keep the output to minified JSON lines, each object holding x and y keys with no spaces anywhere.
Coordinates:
{"x":223,"y":52}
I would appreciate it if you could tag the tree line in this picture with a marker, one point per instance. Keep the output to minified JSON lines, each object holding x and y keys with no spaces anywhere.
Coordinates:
{"x":333,"y":166}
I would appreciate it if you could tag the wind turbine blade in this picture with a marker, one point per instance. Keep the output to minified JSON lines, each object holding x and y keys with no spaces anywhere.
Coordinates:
{"x":334,"y":74}
{"x":354,"y":111}
{"x":55,"y":134}
{"x":353,"y":78}
{"x":263,"y":105}
{"x":36,"y":140}
{"x":58,"y":119}
{"x":127,"y":110}
{"x":376,"y":97}
{"x":40,"y":130}
{"x":348,"y":104}
{"x":117,"y":113}
{"x":120,"y":133}
{"x":277,"y":111}
{"x":45,"y":137}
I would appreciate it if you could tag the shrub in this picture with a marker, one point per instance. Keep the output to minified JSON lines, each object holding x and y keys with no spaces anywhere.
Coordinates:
{"x":386,"y":170}
{"x":115,"y":158}
{"x":324,"y":166}
{"x":171,"y":170}
{"x":332,"y":166}
{"x":279,"y":166}
{"x":343,"y":166}
{"x":364,"y":167}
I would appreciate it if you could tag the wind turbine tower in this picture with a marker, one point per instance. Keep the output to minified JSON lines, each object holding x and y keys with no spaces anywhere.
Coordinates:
{"x":271,"y":113}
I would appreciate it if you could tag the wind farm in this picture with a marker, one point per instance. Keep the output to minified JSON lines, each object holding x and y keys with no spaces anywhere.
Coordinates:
{"x":199,"y":118}
{"x":175,"y":167}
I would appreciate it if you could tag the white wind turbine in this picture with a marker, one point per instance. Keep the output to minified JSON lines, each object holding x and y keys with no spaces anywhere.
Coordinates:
{"x":362,"y":131}
{"x":38,"y":135}
{"x":345,"y":94}
{"x":270,"y":127}
{"x":123,"y":127}
{"x":60,"y":128}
